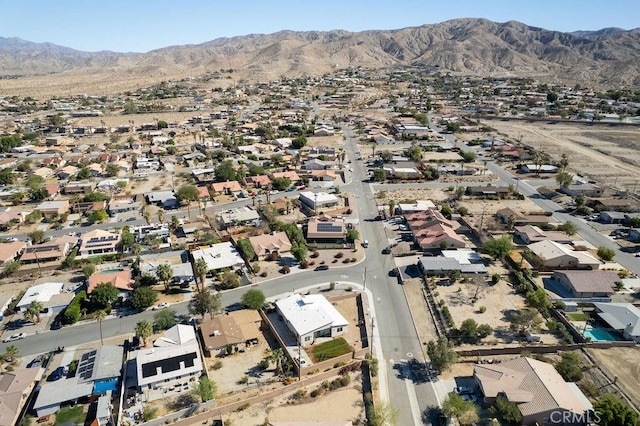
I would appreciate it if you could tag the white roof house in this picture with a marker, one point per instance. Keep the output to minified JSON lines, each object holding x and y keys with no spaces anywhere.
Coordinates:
{"x":315,"y":200}
{"x":41,"y":293}
{"x":175,"y":356}
{"x":463,"y":256}
{"x":219,"y":256}
{"x":311,"y":316}
{"x":418,"y":206}
{"x":623,"y":317}
{"x":561,"y":256}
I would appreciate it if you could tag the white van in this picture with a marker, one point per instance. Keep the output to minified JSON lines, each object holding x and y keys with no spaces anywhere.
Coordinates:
{"x":365,"y":244}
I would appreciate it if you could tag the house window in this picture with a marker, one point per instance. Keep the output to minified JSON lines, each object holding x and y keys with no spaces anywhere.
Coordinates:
{"x":338,"y":330}
{"x":306,"y":339}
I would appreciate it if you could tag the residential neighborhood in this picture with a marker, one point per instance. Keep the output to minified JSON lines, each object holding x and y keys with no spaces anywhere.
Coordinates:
{"x":256,"y":248}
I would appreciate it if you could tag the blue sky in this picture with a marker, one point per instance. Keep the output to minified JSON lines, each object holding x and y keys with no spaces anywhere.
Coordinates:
{"x":143,"y":25}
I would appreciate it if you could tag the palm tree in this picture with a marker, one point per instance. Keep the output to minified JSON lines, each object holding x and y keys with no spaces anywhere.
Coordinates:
{"x":564,"y":162}
{"x":161,"y":216}
{"x":164,"y":272}
{"x":147,"y":217}
{"x":392,"y":208}
{"x":11,"y":353}
{"x":100,"y":316}
{"x":143,"y":330}
{"x":201,"y":271}
{"x":277,"y":357}
{"x":33,"y":311}
{"x":374,"y":145}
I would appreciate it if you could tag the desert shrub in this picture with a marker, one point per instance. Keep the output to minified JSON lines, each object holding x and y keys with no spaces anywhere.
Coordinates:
{"x":345,"y":380}
{"x":263,"y":274}
{"x":339,"y":255}
{"x":482,"y":309}
{"x":217,"y":365}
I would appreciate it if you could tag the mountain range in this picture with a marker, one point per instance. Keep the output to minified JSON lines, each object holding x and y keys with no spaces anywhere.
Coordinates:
{"x":608,"y":57}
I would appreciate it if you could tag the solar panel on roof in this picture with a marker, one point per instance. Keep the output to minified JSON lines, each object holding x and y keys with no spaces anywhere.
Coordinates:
{"x":168,"y":365}
{"x":328,"y":227}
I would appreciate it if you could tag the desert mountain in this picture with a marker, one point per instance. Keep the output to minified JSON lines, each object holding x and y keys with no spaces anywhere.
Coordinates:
{"x":606,"y":57}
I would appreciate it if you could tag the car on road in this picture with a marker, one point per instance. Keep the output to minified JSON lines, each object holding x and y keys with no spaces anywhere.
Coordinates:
{"x":365,"y":244}
{"x":160,"y":306}
{"x":291,"y":189}
{"x":637,"y":254}
{"x":14,"y":337}
{"x":386,"y":250}
{"x":321,"y":268}
{"x":274,"y":192}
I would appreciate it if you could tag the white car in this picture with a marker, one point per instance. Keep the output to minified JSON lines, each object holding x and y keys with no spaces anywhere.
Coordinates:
{"x":14,"y":337}
{"x":160,"y":306}
{"x":274,"y":192}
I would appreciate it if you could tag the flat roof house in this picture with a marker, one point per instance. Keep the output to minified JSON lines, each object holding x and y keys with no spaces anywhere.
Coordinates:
{"x":164,"y":199}
{"x":174,"y":357}
{"x":53,"y":208}
{"x":622,"y":317}
{"x":238,"y":216}
{"x":318,"y":200}
{"x":587,"y":283}
{"x":310,"y":317}
{"x":99,"y":242}
{"x":51,"y":295}
{"x":539,"y":392}
{"x":219,"y":256}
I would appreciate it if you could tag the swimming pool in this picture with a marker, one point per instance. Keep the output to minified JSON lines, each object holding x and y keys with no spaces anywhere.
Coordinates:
{"x":600,"y":335}
{"x":111,"y":271}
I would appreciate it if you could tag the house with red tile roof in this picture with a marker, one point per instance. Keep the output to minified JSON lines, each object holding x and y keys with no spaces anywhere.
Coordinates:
{"x":438,"y":236}
{"x":121,"y":280}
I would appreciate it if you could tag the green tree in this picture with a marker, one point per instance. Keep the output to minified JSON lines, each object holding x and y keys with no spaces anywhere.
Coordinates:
{"x":606,"y":254}
{"x":246,"y":249}
{"x":97,"y":216}
{"x":446,"y":210}
{"x":230,"y":280}
{"x":39,"y":194}
{"x":465,"y":411}
{"x":379,"y":175}
{"x":278,"y":358}
{"x":498,"y":248}
{"x":103,"y":295}
{"x":352,"y":235}
{"x":36,"y":237}
{"x":225,"y":171}
{"x":143,"y":297}
{"x":468,"y":156}
{"x":253,"y":299}
{"x":524,"y":319}
{"x":506,"y":411}
{"x":539,"y":300}
{"x":299,"y":142}
{"x":7,"y":177}
{"x":111,"y":170}
{"x":206,"y":389}
{"x":569,"y":366}
{"x":299,"y":251}
{"x":88,"y":269}
{"x":100,"y":316}
{"x":568,"y":228}
{"x":33,"y":311}
{"x":468,"y":329}
{"x":188,"y":193}
{"x":35,"y":182}
{"x":281,"y":183}
{"x":11,"y":353}
{"x":564,"y":179}
{"x":201,"y":270}
{"x":127,"y":239}
{"x":83,"y":174}
{"x":164,"y":272}
{"x":144,"y":330}
{"x":204,"y":302}
{"x":414,"y":153}
{"x":564,"y":162}
{"x":164,"y":319}
{"x":441,"y":354}
{"x":614,"y":412}
{"x":10,"y":268}
{"x":384,"y":414}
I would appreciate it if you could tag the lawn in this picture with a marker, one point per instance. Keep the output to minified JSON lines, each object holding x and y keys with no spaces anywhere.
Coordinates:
{"x":578,"y":316}
{"x":331,"y":349}
{"x":71,"y":415}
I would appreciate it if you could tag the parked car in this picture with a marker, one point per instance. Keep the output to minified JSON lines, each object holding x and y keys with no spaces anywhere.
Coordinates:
{"x":14,"y":337}
{"x":365,"y":244}
{"x":274,"y":192}
{"x":463,"y":390}
{"x":57,"y":374}
{"x":321,"y":268}
{"x":36,"y":362}
{"x":386,"y":250}
{"x":469,"y":397}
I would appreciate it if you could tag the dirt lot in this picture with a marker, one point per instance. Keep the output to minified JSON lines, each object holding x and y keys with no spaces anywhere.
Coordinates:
{"x":335,"y":141}
{"x":497,"y":299}
{"x":623,"y":364}
{"x":602,"y":152}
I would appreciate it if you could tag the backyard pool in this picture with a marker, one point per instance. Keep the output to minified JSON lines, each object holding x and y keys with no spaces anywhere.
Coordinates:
{"x":600,"y":335}
{"x":111,"y":271}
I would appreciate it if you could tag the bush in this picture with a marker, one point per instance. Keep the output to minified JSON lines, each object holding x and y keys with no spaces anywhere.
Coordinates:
{"x":244,"y":380}
{"x":482,"y":309}
{"x":299,"y":394}
{"x":347,"y":260}
{"x":332,"y":286}
{"x":285,"y":270}
{"x":263,"y":274}
{"x":345,"y":380}
{"x":339,"y":255}
{"x":217,"y":365}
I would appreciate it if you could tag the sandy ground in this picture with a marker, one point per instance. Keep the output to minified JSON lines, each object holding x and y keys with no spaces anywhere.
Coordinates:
{"x":419,"y":310}
{"x":623,"y":364}
{"x":608,"y":154}
{"x":340,"y":405}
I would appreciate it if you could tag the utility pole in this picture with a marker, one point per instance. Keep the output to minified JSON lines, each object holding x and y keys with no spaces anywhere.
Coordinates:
{"x":299,"y":361}
{"x":482,"y":217}
{"x":371,"y":340}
